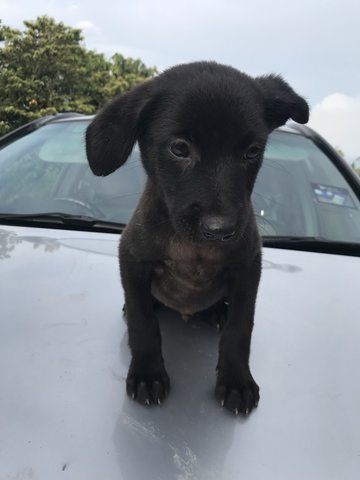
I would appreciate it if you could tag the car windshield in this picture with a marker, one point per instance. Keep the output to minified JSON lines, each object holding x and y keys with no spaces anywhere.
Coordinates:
{"x":299,"y":191}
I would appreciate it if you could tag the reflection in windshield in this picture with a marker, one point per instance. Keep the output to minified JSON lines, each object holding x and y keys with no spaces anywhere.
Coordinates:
{"x":298,"y":192}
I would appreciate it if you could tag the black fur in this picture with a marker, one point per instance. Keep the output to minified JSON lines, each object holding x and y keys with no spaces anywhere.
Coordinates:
{"x":192,"y":242}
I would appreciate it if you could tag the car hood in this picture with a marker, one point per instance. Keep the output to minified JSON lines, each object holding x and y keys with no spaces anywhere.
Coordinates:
{"x":64,"y":357}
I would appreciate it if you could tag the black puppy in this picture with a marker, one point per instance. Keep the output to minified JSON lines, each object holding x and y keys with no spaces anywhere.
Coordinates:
{"x":192,"y":242}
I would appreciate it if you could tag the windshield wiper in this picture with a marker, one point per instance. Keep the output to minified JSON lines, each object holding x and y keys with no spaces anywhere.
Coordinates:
{"x":58,"y":219}
{"x":313,"y":244}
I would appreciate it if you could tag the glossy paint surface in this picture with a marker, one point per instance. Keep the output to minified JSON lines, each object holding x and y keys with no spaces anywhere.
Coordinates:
{"x":64,"y":413}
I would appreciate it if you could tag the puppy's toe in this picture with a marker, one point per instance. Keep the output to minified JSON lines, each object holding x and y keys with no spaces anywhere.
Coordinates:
{"x":238,"y":393}
{"x":147,"y":385}
{"x":158,"y":392}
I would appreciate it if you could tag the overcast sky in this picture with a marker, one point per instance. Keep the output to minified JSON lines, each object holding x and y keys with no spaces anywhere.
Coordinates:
{"x":313,"y":44}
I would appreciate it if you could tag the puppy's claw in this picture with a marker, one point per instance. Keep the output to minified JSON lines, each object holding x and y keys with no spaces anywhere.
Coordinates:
{"x":247,"y":412}
{"x":159,"y":401}
{"x":222,"y":402}
{"x":236,"y":411}
{"x":133,"y":396}
{"x":147,"y":402}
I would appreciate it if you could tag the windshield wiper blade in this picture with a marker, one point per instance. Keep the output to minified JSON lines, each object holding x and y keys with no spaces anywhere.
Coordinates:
{"x":313,"y":244}
{"x":65,"y":219}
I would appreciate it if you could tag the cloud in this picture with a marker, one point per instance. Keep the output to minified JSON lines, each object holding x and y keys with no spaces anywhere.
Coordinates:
{"x":336,"y":118}
{"x":86,"y":25}
{"x":248,"y":35}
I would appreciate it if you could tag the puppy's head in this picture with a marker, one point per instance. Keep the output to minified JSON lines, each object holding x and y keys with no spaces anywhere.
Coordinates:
{"x":202,"y":129}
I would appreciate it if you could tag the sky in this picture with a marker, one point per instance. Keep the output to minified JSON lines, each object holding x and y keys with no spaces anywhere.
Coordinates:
{"x":313,"y":44}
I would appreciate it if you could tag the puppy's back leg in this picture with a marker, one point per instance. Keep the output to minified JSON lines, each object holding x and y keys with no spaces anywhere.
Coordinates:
{"x":217,"y":314}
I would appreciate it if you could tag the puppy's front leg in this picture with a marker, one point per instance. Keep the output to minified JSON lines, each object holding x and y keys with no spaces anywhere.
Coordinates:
{"x":147,"y":380}
{"x":235,"y":386}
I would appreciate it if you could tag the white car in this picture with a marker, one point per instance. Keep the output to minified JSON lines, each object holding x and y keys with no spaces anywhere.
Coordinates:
{"x":64,"y":413}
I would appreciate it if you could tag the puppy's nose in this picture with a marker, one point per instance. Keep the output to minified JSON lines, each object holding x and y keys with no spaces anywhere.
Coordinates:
{"x":219,"y":229}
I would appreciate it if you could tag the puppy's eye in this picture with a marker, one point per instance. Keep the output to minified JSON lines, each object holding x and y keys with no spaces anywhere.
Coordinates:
{"x":180,"y":149}
{"x":252,"y":152}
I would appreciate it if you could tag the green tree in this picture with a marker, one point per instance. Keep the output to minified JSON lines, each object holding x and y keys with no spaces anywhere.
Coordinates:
{"x":46,"y":69}
{"x":125,"y":73}
{"x":40,"y":71}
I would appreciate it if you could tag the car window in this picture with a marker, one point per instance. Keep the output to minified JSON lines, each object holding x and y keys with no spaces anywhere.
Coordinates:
{"x":299,"y":192}
{"x":47,"y":171}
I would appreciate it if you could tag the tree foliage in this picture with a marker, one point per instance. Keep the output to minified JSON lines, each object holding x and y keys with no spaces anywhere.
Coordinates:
{"x":46,"y":69}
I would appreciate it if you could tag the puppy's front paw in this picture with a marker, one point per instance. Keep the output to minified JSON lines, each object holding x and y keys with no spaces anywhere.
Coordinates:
{"x":147,"y":381}
{"x":235,"y":387}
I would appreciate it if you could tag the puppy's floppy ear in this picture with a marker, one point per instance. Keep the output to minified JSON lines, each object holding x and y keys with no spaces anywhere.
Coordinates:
{"x":281,"y":102}
{"x":111,"y":136}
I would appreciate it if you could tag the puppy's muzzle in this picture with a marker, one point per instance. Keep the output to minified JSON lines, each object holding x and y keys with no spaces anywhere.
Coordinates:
{"x":217,"y":229}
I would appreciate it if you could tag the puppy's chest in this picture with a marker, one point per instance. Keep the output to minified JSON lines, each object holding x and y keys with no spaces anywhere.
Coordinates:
{"x":195,"y":264}
{"x":195,"y":272}
{"x":189,"y":278}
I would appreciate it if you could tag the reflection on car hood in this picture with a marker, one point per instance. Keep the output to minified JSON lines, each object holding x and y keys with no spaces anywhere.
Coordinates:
{"x":64,"y":358}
